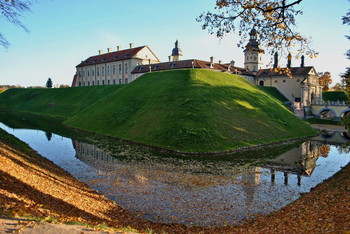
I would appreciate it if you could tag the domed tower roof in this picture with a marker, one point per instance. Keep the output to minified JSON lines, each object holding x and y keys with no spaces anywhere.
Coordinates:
{"x":253,"y":44}
{"x":177,"y":50}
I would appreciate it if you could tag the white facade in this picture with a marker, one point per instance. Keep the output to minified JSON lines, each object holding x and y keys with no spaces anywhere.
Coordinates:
{"x":113,"y":67}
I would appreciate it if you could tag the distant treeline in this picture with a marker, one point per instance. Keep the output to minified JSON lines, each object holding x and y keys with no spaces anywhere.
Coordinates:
{"x":5,"y":87}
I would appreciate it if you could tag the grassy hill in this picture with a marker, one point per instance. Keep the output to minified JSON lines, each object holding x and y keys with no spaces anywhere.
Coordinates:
{"x":191,"y":110}
{"x":63,"y":102}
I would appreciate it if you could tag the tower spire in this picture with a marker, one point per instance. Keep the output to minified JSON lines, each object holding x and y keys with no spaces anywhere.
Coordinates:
{"x":176,"y":54}
{"x":253,"y":53}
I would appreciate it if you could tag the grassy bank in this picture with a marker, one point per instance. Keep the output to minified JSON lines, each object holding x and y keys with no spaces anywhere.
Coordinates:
{"x":63,"y":102}
{"x":191,"y":110}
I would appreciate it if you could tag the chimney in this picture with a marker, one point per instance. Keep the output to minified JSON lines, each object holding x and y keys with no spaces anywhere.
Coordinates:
{"x":100,"y":52}
{"x":119,"y":48}
{"x":275,"y":65}
{"x":212,"y":59}
{"x":232,"y":63}
{"x":302,"y":61}
{"x":132,"y":45}
{"x":109,"y":50}
{"x":289,"y":64}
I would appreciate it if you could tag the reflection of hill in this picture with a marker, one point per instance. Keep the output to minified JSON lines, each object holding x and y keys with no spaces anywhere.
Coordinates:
{"x":192,"y":175}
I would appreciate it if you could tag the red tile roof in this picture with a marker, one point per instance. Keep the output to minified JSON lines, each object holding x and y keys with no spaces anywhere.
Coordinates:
{"x":294,"y":71}
{"x":111,"y":57}
{"x":191,"y":63}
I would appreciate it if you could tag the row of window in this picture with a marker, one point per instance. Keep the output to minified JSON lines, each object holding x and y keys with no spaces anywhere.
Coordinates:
{"x":109,"y":82}
{"x":261,"y":82}
{"x":102,"y":71}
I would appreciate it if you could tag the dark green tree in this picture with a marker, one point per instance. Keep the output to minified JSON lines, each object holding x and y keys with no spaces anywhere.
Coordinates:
{"x":346,"y":75}
{"x":49,"y":83}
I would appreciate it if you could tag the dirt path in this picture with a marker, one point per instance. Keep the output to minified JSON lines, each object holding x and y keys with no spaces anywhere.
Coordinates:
{"x":31,"y":227}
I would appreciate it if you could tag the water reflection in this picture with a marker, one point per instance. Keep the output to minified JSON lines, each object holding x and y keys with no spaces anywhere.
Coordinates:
{"x":165,"y":192}
{"x":193,"y":191}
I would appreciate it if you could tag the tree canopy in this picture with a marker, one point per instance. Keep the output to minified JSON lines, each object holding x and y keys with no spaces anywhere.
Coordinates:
{"x":274,"y":19}
{"x":49,"y":83}
{"x":325,"y":80}
{"x":12,"y":11}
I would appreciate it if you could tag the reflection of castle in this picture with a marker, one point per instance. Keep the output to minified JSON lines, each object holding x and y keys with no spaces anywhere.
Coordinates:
{"x":300,"y":161}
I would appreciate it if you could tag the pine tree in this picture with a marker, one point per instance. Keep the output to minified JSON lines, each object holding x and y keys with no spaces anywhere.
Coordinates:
{"x":49,"y":83}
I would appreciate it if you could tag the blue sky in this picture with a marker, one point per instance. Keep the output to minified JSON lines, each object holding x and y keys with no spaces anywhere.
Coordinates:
{"x":62,"y":33}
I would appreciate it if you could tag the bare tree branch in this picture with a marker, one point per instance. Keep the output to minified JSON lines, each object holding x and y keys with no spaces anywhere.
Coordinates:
{"x":12,"y":11}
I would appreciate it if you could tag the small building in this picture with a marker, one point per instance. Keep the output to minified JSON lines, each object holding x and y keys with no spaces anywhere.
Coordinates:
{"x":113,"y":67}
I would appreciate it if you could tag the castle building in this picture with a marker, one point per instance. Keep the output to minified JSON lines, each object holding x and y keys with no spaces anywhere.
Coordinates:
{"x":298,"y":84}
{"x":113,"y":67}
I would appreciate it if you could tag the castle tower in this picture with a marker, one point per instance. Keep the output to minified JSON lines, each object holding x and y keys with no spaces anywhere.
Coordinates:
{"x":253,"y":53}
{"x":176,"y":54}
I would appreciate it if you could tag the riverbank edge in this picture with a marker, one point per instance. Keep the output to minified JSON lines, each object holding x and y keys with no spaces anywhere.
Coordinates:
{"x":178,"y":152}
{"x":214,"y":153}
{"x":286,"y":218}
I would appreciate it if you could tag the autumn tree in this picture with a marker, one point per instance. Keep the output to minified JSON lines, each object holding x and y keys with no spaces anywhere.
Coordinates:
{"x":275,"y":19}
{"x":325,"y":80}
{"x":12,"y":11}
{"x":49,"y":83}
{"x":337,"y":87}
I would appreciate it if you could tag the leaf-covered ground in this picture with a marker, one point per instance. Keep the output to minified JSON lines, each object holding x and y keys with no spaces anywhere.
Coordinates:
{"x":32,"y":186}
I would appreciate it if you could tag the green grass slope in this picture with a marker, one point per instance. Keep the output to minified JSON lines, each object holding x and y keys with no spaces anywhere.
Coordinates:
{"x":63,"y":102}
{"x":191,"y":110}
{"x":272,"y":91}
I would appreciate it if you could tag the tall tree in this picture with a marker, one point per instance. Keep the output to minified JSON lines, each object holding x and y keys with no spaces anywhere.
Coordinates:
{"x":275,"y":19}
{"x":49,"y":83}
{"x":346,"y":75}
{"x":12,"y":11}
{"x":325,"y":80}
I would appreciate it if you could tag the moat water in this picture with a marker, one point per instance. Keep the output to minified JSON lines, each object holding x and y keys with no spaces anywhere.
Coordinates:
{"x":205,"y":191}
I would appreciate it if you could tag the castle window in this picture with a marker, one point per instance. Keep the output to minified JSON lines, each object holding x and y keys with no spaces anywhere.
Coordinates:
{"x":120,"y":81}
{"x":126,"y":68}
{"x":108,"y":81}
{"x":103,"y":71}
{"x":103,"y":82}
{"x":113,"y":81}
{"x":120,"y":69}
{"x":113,"y":69}
{"x":126,"y":81}
{"x":107,"y":70}
{"x":275,"y":81}
{"x":93,"y":72}
{"x":98,"y":71}
{"x":93,"y":82}
{"x":261,"y":83}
